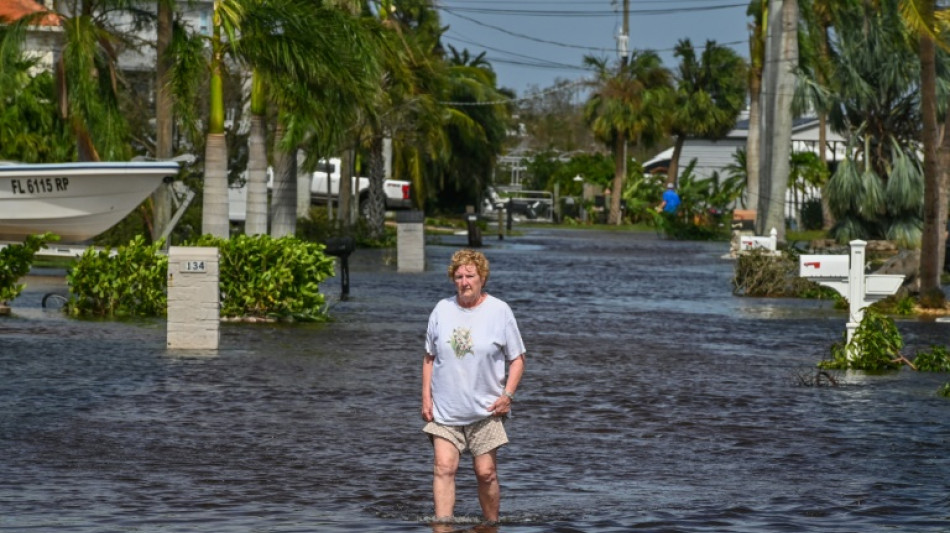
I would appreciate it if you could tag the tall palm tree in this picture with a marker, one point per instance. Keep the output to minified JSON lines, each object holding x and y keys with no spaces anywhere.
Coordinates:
{"x":288,"y":43}
{"x":629,"y":104}
{"x":710,"y":94}
{"x":758,"y":10}
{"x":164,"y":126}
{"x":925,"y":21}
{"x":477,"y":140}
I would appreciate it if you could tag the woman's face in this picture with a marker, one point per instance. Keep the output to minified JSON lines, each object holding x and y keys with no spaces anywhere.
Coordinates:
{"x":468,"y":283}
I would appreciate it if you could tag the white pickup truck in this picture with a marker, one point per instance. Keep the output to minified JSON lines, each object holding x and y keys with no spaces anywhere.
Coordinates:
{"x":397,"y":192}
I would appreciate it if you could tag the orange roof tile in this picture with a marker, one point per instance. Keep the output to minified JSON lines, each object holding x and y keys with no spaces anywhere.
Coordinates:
{"x":12,"y":10}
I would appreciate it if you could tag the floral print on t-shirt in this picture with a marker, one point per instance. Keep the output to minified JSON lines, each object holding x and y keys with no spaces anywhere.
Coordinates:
{"x":461,"y":342}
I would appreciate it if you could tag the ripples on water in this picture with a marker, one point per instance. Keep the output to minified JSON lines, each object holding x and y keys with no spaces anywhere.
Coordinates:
{"x":654,"y":400}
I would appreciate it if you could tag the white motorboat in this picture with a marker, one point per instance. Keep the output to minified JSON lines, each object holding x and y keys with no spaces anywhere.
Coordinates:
{"x":76,"y":201}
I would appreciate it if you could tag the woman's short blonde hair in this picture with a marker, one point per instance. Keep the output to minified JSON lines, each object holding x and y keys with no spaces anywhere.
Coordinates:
{"x":470,"y":257}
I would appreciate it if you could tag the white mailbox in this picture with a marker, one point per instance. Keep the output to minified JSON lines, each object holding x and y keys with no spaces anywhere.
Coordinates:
{"x":845,"y":274}
{"x":824,"y":266}
{"x":880,"y":286}
{"x":749,"y":243}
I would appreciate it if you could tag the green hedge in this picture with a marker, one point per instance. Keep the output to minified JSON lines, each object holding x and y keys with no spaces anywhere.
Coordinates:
{"x":259,"y":277}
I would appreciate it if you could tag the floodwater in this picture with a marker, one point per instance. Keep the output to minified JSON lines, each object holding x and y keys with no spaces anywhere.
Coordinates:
{"x":654,"y":400}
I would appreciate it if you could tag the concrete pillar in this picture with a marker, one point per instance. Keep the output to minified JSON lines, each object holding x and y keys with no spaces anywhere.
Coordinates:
{"x":410,"y":241}
{"x":194,"y":307}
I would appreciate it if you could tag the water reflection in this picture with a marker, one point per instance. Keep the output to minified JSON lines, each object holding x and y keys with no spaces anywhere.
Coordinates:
{"x":654,"y":400}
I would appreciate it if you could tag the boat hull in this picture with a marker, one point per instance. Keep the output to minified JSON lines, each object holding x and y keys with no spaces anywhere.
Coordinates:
{"x":76,"y":201}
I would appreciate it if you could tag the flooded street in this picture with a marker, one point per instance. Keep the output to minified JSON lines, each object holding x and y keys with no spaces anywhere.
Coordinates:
{"x":653,"y":400}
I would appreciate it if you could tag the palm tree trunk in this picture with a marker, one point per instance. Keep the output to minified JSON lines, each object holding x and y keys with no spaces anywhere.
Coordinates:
{"x":304,"y":181}
{"x":285,"y":189}
{"x":930,"y":245}
{"x":345,"y":193}
{"x":161,"y":198}
{"x":753,"y":144}
{"x":376,"y":208}
{"x":214,"y":213}
{"x":753,"y":141}
{"x":620,"y":169}
{"x":673,"y":170}
{"x":943,"y":181}
{"x":255,"y":222}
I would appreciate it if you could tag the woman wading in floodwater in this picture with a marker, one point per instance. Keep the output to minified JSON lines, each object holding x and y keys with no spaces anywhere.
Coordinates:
{"x":471,"y":340}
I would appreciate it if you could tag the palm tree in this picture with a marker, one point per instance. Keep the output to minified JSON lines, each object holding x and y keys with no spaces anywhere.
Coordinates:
{"x":925,"y":20}
{"x":26,"y":100}
{"x":289,"y":44}
{"x":87,"y":79}
{"x":476,"y":131}
{"x":710,"y":94}
{"x":758,"y":11}
{"x":628,"y":105}
{"x":164,"y":126}
{"x":875,"y":88}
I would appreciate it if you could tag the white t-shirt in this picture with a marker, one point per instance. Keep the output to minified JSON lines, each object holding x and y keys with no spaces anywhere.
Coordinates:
{"x":471,"y":349}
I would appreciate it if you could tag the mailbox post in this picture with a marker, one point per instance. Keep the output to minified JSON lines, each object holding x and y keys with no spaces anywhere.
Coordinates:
{"x":845,"y":274}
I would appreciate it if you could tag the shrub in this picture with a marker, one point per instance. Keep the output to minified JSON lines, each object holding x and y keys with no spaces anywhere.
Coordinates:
{"x":875,"y":346}
{"x":259,"y":276}
{"x":15,"y":262}
{"x":936,"y":359}
{"x":266,"y":277}
{"x":129,"y":282}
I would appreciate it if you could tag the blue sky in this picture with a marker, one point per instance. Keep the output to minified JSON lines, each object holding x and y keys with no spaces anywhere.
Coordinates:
{"x":533,"y":43}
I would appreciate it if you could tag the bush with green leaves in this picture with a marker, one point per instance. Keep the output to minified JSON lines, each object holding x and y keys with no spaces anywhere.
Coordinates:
{"x":936,"y":359}
{"x":15,"y":262}
{"x":265,"y":277}
{"x":875,"y":347}
{"x":129,"y":282}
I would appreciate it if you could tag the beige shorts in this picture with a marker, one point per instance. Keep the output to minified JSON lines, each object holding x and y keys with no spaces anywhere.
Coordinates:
{"x":478,"y":437}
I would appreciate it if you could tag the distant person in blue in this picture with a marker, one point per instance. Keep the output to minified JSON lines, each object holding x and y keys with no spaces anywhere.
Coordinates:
{"x":671,"y":200}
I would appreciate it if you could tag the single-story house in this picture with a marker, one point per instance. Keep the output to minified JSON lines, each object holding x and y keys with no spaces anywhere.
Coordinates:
{"x":716,"y":156}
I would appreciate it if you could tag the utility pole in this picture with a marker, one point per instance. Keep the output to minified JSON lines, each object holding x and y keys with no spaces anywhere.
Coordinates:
{"x":624,"y":36}
{"x":621,"y":146}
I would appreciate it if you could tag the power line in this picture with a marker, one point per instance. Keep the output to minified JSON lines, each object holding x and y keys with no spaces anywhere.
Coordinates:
{"x":532,"y":96}
{"x":586,"y":13}
{"x":538,"y":61}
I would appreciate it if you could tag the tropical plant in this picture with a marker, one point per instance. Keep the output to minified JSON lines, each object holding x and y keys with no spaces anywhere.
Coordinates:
{"x":15,"y":262}
{"x":757,"y":10}
{"x":867,"y":207}
{"x":88,"y":82}
{"x":335,"y":75}
{"x":129,"y":282}
{"x":31,"y":131}
{"x":875,"y":346}
{"x":295,"y":45}
{"x":709,"y":95}
{"x":477,"y":140}
{"x":934,"y":359}
{"x":628,"y":105}
{"x":261,"y":276}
